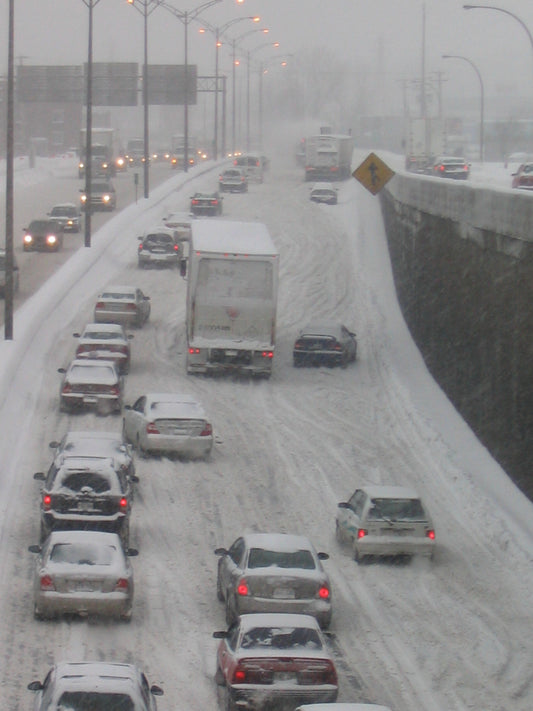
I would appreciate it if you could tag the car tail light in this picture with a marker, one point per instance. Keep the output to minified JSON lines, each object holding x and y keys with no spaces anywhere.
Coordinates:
{"x":214,"y":202}
{"x":131,"y":307}
{"x":431,"y":534}
{"x":239,"y":675}
{"x":67,"y":388}
{"x":176,"y":248}
{"x":194,"y":351}
{"x":100,"y":305}
{"x":123,"y":503}
{"x":47,"y":502}
{"x":323,"y":593}
{"x":337,"y":347}
{"x":207,"y":431}
{"x":441,"y":168}
{"x":362,"y":532}
{"x":140,"y":248}
{"x":114,"y":390}
{"x":319,"y":672}
{"x":250,"y":672}
{"x":194,"y":202}
{"x":122,"y":585}
{"x":46,"y":582}
{"x":151,"y":428}
{"x":267,"y":354}
{"x":242,"y":588}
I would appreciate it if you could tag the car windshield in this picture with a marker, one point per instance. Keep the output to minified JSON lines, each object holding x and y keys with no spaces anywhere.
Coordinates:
{"x":261,"y":558}
{"x":66,"y":211}
{"x":160,"y":238}
{"x":528,"y":169}
{"x":42,"y":226}
{"x":82,"y":554}
{"x":76,"y":481}
{"x":281,"y":638}
{"x":397,"y":510}
{"x":94,"y":701}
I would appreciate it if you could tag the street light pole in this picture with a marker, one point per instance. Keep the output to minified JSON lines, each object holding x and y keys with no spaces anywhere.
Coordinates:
{"x":482,"y":100}
{"x":145,"y":12}
{"x":185,"y":17}
{"x":8,"y":305}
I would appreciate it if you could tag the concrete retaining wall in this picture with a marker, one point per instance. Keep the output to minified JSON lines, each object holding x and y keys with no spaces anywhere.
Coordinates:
{"x":463,"y":266}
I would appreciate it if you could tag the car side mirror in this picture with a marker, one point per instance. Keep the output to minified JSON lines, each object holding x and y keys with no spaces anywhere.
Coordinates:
{"x":134,"y":478}
{"x":61,"y":370}
{"x":344,"y":505}
{"x":221,"y":551}
{"x":156,"y":690}
{"x":39,"y":476}
{"x":35,"y":686}
{"x":34,"y":548}
{"x":77,"y":335}
{"x":323,"y":556}
{"x":220,"y":634}
{"x":132,"y":552}
{"x":53,"y":444}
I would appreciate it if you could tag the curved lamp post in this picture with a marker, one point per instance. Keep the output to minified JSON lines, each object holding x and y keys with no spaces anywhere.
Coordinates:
{"x":186,"y":17}
{"x":263,"y":69}
{"x":506,"y":12}
{"x":248,"y":61}
{"x":482,"y":100}
{"x":145,"y":7}
{"x":218,"y":32}
{"x":234,"y":64}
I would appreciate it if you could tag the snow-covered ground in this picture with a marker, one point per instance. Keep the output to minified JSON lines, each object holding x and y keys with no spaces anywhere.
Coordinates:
{"x":451,"y":635}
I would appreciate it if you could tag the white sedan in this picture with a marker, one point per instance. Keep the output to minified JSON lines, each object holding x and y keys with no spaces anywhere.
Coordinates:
{"x":168,"y":423}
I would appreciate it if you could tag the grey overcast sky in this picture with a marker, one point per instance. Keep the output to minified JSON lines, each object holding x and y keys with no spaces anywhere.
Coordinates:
{"x":377,"y":36}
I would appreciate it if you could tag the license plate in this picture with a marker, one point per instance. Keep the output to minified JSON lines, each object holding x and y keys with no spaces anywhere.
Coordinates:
{"x":84,"y":586}
{"x":231,"y":353}
{"x":85,"y":506}
{"x":284,"y":594}
{"x":284,"y":676}
{"x":89,"y":400}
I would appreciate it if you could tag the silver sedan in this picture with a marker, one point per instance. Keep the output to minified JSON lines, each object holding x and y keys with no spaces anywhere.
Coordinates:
{"x":168,"y":423}
{"x":273,"y":572}
{"x":83,"y":572}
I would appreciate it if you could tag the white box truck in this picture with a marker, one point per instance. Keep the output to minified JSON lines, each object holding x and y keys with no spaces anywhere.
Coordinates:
{"x":328,"y":157}
{"x":232,"y":293}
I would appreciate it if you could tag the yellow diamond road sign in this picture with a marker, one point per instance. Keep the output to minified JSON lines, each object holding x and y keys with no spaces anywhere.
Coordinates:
{"x":373,"y":173}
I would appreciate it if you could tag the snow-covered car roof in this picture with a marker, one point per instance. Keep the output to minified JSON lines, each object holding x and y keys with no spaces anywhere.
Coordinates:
{"x":390,"y":492}
{"x":74,"y":536}
{"x":92,"y":371}
{"x":118,"y":292}
{"x":115,"y":328}
{"x":321,"y":329}
{"x":324,"y":186}
{"x":98,"y":676}
{"x":174,"y":405}
{"x":282,"y":542}
{"x":277,"y":619}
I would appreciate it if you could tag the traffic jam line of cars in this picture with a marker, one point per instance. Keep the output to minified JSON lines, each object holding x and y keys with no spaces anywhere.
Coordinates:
{"x":276,"y":592}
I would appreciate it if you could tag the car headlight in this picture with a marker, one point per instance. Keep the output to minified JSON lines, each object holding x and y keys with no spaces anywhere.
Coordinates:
{"x":83,"y":198}
{"x":28,"y":239}
{"x":106,"y":198}
{"x":81,"y":165}
{"x":51,"y":239}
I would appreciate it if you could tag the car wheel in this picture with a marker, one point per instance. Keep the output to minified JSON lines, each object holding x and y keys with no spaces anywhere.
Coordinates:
{"x":125,"y":534}
{"x":219,"y":677}
{"x":140,"y":450}
{"x":338,"y":533}
{"x":231,"y":615}
{"x":126,"y":616}
{"x":356,"y":555}
{"x":220,"y":592}
{"x":37,"y":614}
{"x":230,"y":703}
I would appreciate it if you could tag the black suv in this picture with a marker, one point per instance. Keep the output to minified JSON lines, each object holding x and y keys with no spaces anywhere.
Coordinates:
{"x":44,"y":235}
{"x":85,"y":494}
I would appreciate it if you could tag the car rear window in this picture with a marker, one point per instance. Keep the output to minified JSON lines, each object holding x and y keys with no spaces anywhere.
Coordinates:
{"x":397,"y":510}
{"x":82,"y":554}
{"x":261,"y":558}
{"x":161,"y":239}
{"x":93,"y":481}
{"x":281,"y":638}
{"x":93,"y":372}
{"x":94,"y":701}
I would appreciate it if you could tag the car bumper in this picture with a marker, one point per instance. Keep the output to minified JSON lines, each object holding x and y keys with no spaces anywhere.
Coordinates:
{"x":317,"y":359}
{"x":159,"y":259}
{"x":126,"y":319}
{"x":395,"y":545}
{"x":51,"y":604}
{"x":319,"y":609}
{"x":259,"y":697}
{"x":191,"y":447}
{"x":90,"y":400}
{"x":80,"y":522}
